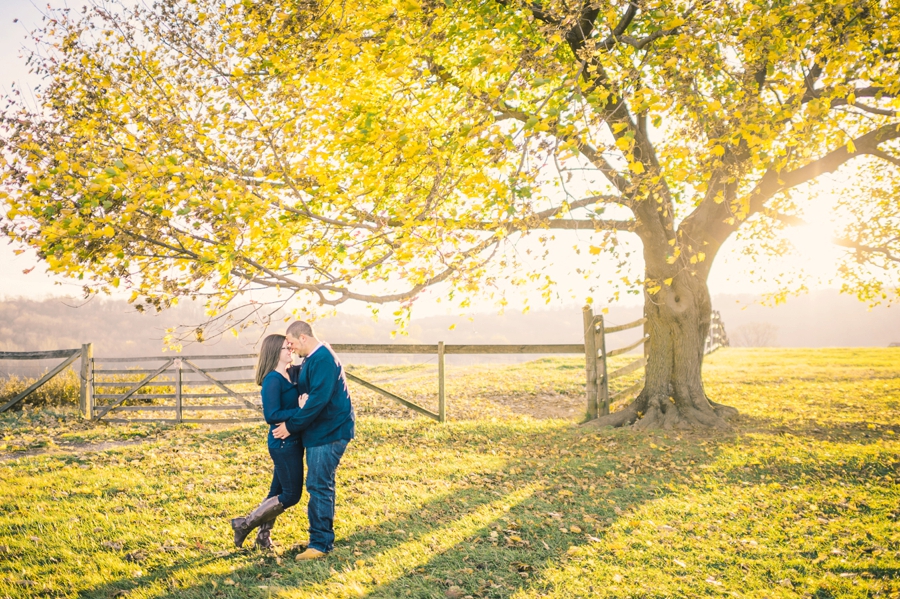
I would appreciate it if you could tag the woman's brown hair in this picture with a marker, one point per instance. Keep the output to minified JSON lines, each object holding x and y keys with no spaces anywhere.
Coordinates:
{"x":268,"y":356}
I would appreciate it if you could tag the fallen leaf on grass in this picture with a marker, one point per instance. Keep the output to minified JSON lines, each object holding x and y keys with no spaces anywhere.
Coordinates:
{"x":680,"y":563}
{"x":114,"y":545}
{"x":454,"y":592}
{"x":135,"y":556}
{"x":713,"y":582}
{"x":617,"y":578}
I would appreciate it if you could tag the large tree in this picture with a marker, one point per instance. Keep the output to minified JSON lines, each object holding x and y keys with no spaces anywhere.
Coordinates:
{"x":368,"y":149}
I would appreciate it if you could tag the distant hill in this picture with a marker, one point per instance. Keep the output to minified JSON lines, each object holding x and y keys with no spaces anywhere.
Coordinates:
{"x":819,"y":319}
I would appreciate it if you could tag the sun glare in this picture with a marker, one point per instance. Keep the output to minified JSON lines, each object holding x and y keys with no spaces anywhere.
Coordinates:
{"x":815,"y":251}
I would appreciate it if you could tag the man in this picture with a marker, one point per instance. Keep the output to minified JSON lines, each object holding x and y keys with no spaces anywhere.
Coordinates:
{"x":326,"y":423}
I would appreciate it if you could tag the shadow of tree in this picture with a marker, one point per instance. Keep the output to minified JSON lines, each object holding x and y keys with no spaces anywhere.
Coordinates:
{"x":491,"y":531}
{"x":856,"y":431}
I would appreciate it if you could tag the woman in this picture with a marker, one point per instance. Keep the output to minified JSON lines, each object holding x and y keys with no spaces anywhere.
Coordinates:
{"x":280,"y":401}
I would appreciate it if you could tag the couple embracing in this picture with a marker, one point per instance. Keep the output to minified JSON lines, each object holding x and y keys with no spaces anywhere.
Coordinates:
{"x":308,"y":410}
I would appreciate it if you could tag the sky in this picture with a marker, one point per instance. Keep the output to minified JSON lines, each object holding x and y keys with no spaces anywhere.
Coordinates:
{"x":733,"y":273}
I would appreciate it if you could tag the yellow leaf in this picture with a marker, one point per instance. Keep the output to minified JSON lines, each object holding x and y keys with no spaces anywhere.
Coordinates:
{"x":636,"y":167}
{"x":595,"y":250}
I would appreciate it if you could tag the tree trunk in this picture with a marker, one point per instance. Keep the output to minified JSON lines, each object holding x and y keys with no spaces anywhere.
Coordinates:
{"x":678,"y":319}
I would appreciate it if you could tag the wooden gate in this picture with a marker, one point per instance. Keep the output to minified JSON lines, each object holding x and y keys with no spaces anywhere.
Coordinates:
{"x":178,"y":385}
{"x":70,"y":356}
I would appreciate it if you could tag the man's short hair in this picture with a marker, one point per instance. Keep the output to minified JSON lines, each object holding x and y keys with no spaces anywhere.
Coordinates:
{"x":299,"y":327}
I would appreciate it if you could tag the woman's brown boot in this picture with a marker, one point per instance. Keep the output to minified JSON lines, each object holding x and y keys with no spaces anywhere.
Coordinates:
{"x":268,"y":510}
{"x":264,"y":535}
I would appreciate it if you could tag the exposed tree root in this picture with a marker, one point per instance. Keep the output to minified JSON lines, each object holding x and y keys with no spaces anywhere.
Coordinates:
{"x":661,"y":412}
{"x":723,"y":411}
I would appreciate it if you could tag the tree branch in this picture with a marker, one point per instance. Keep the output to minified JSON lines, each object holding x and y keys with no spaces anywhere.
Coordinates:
{"x":867,"y":249}
{"x":593,"y":225}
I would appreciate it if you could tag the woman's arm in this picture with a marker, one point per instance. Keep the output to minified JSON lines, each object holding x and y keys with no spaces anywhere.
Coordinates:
{"x":271,"y":400}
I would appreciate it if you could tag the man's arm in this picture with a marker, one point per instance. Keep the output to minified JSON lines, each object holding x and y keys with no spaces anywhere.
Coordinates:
{"x":323,"y":376}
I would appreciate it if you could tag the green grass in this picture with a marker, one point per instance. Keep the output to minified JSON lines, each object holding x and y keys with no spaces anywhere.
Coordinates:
{"x":801,"y":499}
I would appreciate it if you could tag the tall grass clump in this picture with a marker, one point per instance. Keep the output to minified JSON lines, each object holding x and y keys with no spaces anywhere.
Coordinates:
{"x":62,"y":390}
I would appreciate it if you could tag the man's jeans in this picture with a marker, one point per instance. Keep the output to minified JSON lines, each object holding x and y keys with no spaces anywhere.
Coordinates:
{"x":321,"y":465}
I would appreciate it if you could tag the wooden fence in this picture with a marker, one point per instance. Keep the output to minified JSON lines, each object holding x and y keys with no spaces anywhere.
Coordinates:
{"x":717,"y":336}
{"x":70,"y":355}
{"x":182,"y":380}
{"x":597,"y":362}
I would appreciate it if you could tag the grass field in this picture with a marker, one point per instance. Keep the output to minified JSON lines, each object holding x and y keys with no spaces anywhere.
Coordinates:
{"x":801,"y":499}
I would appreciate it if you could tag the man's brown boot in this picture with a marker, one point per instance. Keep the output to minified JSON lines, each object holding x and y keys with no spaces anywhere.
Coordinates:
{"x":268,"y":510}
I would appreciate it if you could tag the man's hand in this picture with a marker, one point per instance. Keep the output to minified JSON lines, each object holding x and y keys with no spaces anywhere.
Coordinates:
{"x":281,"y":432}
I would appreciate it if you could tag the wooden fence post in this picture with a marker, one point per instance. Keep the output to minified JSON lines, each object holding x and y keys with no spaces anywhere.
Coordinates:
{"x":602,"y":366}
{"x":178,"y":367}
{"x":442,"y":405}
{"x":86,"y":398}
{"x":590,"y":362}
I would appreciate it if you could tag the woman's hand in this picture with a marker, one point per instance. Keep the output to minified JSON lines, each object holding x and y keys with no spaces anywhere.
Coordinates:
{"x":302,"y":399}
{"x":281,"y":432}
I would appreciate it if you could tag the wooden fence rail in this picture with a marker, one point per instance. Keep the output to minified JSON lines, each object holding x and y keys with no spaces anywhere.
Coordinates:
{"x":115,"y":386}
{"x":440,"y":349}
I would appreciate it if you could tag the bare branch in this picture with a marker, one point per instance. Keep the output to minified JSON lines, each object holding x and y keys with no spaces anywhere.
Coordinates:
{"x":592,"y":225}
{"x":867,"y":249}
{"x":551,"y":212}
{"x":885,"y":156}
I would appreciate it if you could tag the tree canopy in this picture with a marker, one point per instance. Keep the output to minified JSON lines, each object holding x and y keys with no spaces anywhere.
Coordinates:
{"x":367,"y":149}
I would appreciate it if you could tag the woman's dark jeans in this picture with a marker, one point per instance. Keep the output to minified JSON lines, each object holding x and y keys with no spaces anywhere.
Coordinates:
{"x":287,"y":479}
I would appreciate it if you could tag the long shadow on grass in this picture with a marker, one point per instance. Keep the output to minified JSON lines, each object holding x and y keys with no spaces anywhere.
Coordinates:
{"x":858,"y":432}
{"x":491,"y":533}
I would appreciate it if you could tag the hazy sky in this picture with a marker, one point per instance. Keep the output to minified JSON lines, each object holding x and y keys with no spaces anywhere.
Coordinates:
{"x":731,"y":272}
